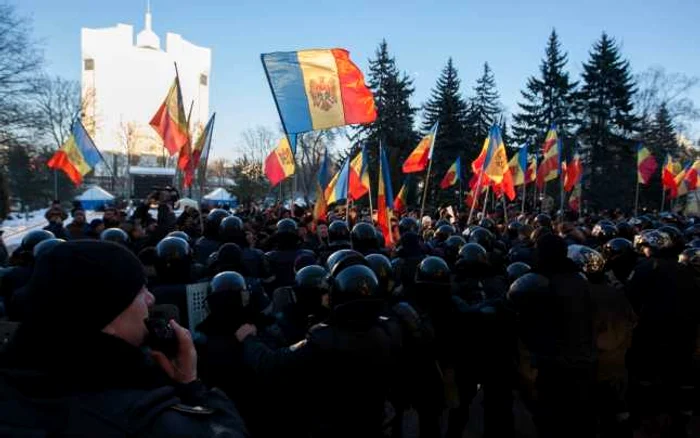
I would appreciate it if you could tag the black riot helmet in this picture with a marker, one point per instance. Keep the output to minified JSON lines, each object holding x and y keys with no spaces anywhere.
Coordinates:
{"x":677,"y":237}
{"x":173,"y":256}
{"x":658,"y":242}
{"x":211,"y":224}
{"x":690,"y":257}
{"x":287,"y":226}
{"x":489,"y":224}
{"x":588,"y":260}
{"x":338,"y":231}
{"x":483,"y":237}
{"x":452,"y":246}
{"x":527,"y":284}
{"x":229,"y":257}
{"x":310,"y":284}
{"x":444,"y":232}
{"x":354,"y":283}
{"x":625,"y":230}
{"x":342,"y":259}
{"x":513,"y":229}
{"x":228,"y":295}
{"x":45,"y":246}
{"x":231,"y":229}
{"x":381,"y":241}
{"x":33,"y":238}
{"x":603,"y":232}
{"x":116,"y":235}
{"x":363,"y":237}
{"x":382,"y":268}
{"x":408,"y":225}
{"x":433,"y":270}
{"x":692,"y":232}
{"x":441,"y":222}
{"x":543,"y":220}
{"x":517,"y":270}
{"x":618,"y":253}
{"x":182,"y":235}
{"x":472,"y":258}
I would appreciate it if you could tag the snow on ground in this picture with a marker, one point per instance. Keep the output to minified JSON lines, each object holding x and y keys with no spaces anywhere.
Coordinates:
{"x":15,"y":228}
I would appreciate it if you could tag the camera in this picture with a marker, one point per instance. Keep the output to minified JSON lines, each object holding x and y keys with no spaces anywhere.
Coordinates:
{"x":161,"y":337}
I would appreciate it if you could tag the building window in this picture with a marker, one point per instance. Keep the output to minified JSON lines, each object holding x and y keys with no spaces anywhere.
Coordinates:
{"x":203,"y":79}
{"x":89,"y":64}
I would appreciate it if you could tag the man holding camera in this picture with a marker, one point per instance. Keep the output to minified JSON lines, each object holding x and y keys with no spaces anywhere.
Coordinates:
{"x":77,"y":367}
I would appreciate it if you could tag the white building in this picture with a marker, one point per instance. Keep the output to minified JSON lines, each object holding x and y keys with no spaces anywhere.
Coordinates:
{"x":123,"y":84}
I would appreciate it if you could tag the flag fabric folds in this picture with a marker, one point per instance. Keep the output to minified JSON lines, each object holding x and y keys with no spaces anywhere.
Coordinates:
{"x":78,"y":155}
{"x":170,"y":122}
{"x":279,"y":164}
{"x":400,"y":202}
{"x":575,"y":198}
{"x":573,"y":173}
{"x":337,"y":189}
{"x":453,"y":174}
{"x":496,"y":162}
{"x":318,"y":89}
{"x":201,"y":148}
{"x":681,"y":186}
{"x":322,"y":179}
{"x":551,"y":152}
{"x":358,"y":185}
{"x":384,"y":197}
{"x":691,"y":176}
{"x":668,"y":177}
{"x":421,"y":155}
{"x":518,"y":166}
{"x":646,"y":165}
{"x":531,"y":174}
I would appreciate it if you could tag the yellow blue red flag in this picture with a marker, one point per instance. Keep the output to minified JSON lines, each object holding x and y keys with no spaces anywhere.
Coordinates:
{"x":78,"y":155}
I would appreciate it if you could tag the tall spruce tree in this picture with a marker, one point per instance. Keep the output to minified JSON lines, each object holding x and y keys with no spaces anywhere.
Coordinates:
{"x":607,"y":125}
{"x":659,"y":137}
{"x":484,"y":106}
{"x":547,"y":98}
{"x":447,"y":107}
{"x":392,"y":91}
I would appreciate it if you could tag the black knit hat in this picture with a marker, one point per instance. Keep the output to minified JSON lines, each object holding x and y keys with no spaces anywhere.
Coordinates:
{"x":83,"y":285}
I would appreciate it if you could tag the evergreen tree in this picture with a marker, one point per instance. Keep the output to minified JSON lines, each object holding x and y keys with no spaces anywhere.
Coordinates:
{"x":392,"y":91}
{"x":547,"y":98}
{"x":660,"y":138}
{"x":484,"y":107}
{"x":607,"y":124}
{"x":447,"y":107}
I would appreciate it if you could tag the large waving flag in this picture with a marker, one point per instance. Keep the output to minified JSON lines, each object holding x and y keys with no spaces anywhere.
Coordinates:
{"x":478,"y":163}
{"x":646,"y":165}
{"x":384,"y":196}
{"x":551,"y":153}
{"x":453,"y":174}
{"x":201,"y":147}
{"x":400,"y":201}
{"x":691,"y":176}
{"x":337,"y":189}
{"x":681,"y":186}
{"x":518,"y":165}
{"x":322,"y":180}
{"x":422,"y":154}
{"x":496,"y":163}
{"x":170,"y":122}
{"x":318,"y":89}
{"x":78,"y":155}
{"x":668,"y":178}
{"x":280,"y":163}
{"x":531,"y":174}
{"x":574,"y":170}
{"x":359,"y":176}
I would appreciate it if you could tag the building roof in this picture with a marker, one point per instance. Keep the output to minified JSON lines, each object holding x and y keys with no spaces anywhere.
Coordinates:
{"x":219,"y":194}
{"x":95,"y":193}
{"x":137,"y":170}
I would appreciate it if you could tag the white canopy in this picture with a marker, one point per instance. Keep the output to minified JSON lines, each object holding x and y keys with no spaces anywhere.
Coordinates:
{"x":219,"y":194}
{"x":95,"y":193}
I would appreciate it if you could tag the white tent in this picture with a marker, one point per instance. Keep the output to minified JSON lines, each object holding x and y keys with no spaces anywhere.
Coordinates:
{"x":221,"y":196}
{"x":94,"y":197}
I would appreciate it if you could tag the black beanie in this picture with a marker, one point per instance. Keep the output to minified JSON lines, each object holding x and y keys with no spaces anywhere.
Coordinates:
{"x":83,"y":285}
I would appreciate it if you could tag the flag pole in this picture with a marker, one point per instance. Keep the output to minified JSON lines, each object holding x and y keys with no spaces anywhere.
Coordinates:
{"x":475,"y":196}
{"x":505,"y":209}
{"x":425,"y":187}
{"x":663,"y":198}
{"x":369,"y":190}
{"x":522,"y":208}
{"x":486,"y":200}
{"x":636,"y":199}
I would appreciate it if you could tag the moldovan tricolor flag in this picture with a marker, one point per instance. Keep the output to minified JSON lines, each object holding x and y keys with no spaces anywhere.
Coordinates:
{"x":337,"y":189}
{"x":422,"y":154}
{"x":200,"y":149}
{"x":322,"y":180}
{"x":681,"y":187}
{"x":549,"y":168}
{"x":400,"y":201}
{"x":453,"y":174}
{"x":531,"y":174}
{"x":384,"y":197}
{"x":691,"y":176}
{"x":496,"y":164}
{"x":78,"y":155}
{"x":518,"y":165}
{"x":170,"y":122}
{"x":318,"y":89}
{"x":573,"y":173}
{"x":280,"y":163}
{"x":646,"y":165}
{"x":668,"y":178}
{"x":358,"y":185}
